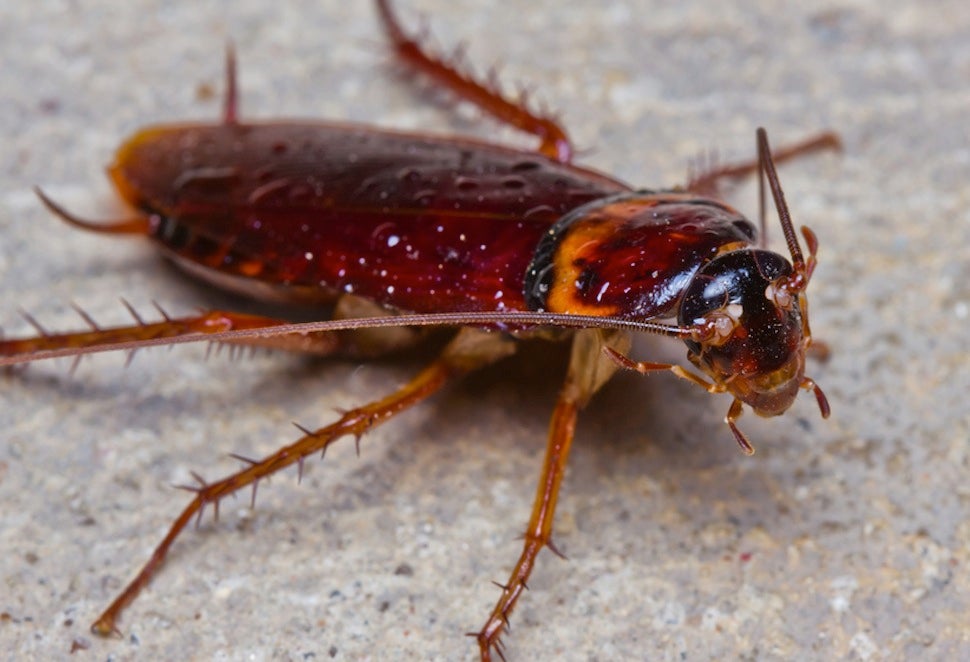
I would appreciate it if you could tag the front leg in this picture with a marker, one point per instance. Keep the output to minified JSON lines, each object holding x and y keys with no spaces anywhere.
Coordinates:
{"x":589,"y":369}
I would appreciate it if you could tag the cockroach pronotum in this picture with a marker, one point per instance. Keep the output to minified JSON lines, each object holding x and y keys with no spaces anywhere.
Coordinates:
{"x":425,"y":230}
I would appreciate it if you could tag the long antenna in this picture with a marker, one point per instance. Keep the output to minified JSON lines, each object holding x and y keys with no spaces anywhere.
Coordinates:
{"x":50,"y":345}
{"x":767,"y":167}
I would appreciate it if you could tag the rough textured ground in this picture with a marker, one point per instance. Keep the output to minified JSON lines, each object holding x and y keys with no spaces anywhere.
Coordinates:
{"x":841,"y":539}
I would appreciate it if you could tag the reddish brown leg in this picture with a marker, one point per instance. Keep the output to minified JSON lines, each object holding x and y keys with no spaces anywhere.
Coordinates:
{"x":588,"y":370}
{"x":539,"y":531}
{"x":644,"y":367}
{"x":468,"y":351}
{"x":706,"y":182}
{"x":230,"y":104}
{"x":51,"y":345}
{"x":555,"y":143}
{"x":357,"y":343}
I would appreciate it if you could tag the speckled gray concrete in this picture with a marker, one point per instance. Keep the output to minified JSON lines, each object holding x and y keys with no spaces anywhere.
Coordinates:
{"x":842,"y":539}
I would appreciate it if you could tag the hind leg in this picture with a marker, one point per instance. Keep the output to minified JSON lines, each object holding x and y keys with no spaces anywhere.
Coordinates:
{"x":364,"y":343}
{"x":469,"y":350}
{"x":554,"y":142}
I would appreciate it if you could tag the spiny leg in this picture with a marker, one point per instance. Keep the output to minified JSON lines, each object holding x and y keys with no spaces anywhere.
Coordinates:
{"x":588,"y":371}
{"x":469,"y":350}
{"x":707,"y":180}
{"x":356,"y":343}
{"x":96,"y":338}
{"x":555,"y":143}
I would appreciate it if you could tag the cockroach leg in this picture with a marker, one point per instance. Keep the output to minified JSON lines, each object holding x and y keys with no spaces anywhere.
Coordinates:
{"x":97,"y":338}
{"x":823,"y":402}
{"x":538,"y":533}
{"x":707,"y":181}
{"x":735,"y":411}
{"x":230,"y":105}
{"x":643,"y":367}
{"x":588,"y":371}
{"x":469,"y":350}
{"x":554,"y":142}
{"x":355,"y":343}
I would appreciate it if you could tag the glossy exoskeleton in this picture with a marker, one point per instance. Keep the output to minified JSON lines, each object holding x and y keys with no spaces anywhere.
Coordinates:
{"x":388,"y":229}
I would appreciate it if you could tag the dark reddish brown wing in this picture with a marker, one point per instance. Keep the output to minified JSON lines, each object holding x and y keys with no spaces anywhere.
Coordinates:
{"x":414,"y":222}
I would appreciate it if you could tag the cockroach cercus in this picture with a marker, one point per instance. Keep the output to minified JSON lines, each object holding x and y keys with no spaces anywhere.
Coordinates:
{"x":429,"y":230}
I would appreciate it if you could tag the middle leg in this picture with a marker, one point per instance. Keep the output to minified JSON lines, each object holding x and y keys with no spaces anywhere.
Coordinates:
{"x":707,"y":181}
{"x":469,"y":350}
{"x":589,"y":369}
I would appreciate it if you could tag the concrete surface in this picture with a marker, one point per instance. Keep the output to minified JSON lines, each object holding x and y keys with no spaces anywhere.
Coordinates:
{"x":845,"y":539}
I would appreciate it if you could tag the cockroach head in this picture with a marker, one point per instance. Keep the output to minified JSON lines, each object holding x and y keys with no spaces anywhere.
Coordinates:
{"x":750,"y":332}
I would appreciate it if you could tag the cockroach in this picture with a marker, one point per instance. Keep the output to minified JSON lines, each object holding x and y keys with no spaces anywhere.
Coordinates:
{"x":389,"y":229}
